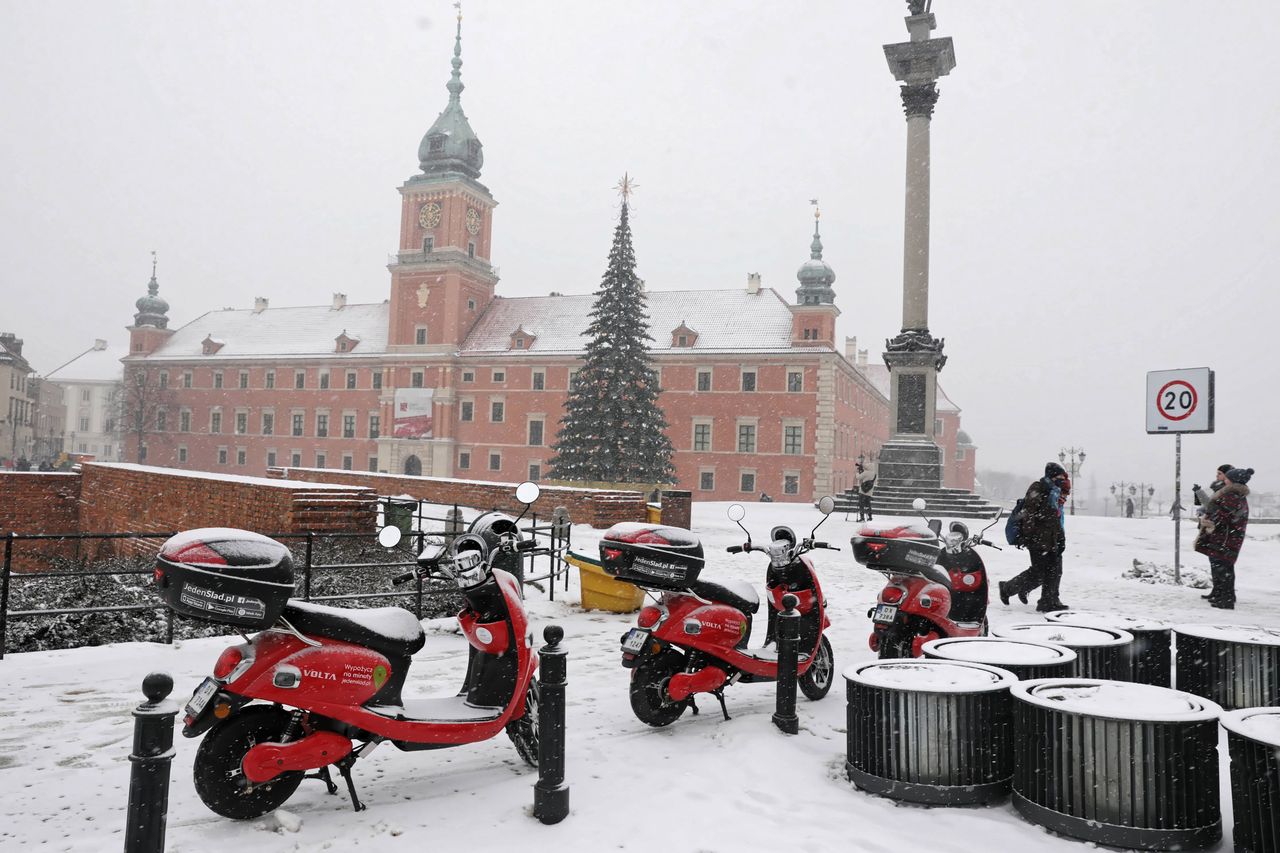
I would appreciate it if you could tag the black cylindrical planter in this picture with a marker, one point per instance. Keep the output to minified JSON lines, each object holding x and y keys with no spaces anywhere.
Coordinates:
{"x":1253,"y":738}
{"x":1117,"y":763}
{"x":1236,"y":666}
{"x":929,"y":731}
{"x":1024,"y":658}
{"x":1150,"y":655}
{"x":1100,"y":652}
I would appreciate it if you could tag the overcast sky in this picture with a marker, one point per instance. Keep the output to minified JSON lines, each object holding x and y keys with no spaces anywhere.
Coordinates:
{"x":1104,"y":179}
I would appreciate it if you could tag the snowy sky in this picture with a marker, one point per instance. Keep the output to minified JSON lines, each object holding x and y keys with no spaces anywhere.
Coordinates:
{"x":1104,"y":203}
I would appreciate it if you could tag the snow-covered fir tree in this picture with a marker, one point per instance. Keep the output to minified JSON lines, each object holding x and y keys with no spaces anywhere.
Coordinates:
{"x":613,"y":429}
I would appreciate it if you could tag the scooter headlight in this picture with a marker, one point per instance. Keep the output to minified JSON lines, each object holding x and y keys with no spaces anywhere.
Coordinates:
{"x":953,"y":543}
{"x":469,"y":569}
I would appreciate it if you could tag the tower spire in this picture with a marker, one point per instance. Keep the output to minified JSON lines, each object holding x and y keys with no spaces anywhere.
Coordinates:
{"x":152,"y":309}
{"x":815,"y":275}
{"x":455,"y":79}
{"x":451,"y":146}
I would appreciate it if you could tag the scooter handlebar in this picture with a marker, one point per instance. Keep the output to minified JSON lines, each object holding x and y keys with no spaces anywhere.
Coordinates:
{"x":734,"y":549}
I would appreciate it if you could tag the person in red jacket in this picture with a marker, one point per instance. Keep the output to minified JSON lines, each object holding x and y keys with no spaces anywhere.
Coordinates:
{"x":1222,"y":527}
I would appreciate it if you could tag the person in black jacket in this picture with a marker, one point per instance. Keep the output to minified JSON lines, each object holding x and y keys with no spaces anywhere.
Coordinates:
{"x":1045,"y":538}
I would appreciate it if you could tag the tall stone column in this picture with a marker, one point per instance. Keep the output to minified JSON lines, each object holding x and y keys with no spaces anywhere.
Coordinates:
{"x":914,"y":356}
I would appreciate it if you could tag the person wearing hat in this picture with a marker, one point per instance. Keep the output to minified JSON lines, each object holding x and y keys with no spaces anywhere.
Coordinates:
{"x":1044,"y":534}
{"x":1222,"y":527}
{"x":1201,"y":496}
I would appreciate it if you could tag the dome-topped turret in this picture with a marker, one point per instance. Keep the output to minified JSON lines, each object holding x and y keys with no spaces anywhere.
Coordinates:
{"x":451,"y":145}
{"x":152,"y":310}
{"x":815,"y":274}
{"x":962,"y":437}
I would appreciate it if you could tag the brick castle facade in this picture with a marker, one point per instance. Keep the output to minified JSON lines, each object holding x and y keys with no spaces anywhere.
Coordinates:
{"x":447,"y":378}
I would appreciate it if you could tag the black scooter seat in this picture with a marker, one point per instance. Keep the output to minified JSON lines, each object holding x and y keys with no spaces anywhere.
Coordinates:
{"x":742,"y":595}
{"x":392,"y":631}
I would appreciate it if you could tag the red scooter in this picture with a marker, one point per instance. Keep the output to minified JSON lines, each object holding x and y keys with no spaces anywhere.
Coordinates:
{"x":935,"y":586}
{"x":694,"y":639}
{"x":321,"y":686}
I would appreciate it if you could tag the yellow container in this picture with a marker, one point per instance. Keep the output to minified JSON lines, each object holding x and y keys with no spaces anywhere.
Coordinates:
{"x":653,"y":513}
{"x":601,"y":592}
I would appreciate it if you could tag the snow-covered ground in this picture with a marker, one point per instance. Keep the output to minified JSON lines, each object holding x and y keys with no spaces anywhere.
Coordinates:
{"x":701,"y":784}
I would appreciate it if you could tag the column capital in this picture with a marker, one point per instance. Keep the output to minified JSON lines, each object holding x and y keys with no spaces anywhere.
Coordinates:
{"x":918,"y":99}
{"x":915,"y":346}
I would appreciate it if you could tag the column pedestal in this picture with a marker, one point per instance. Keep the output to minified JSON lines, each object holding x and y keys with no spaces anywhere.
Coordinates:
{"x":910,"y":457}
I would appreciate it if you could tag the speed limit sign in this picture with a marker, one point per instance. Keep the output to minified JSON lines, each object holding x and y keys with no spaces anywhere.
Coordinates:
{"x":1180,"y":400}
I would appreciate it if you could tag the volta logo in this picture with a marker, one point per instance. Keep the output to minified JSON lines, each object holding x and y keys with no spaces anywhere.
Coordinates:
{"x":323,"y":676}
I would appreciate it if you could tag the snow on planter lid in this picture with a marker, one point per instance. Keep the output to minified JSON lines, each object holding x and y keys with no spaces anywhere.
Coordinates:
{"x":1252,"y":634}
{"x":999,"y":651}
{"x":1116,"y":700}
{"x":930,"y":676}
{"x":1260,"y":724}
{"x":1100,"y":619}
{"x":1068,"y":635}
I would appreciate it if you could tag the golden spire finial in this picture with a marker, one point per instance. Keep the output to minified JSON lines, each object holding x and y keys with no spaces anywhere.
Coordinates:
{"x":625,"y":187}
{"x":817,"y":211}
{"x":153,"y":263}
{"x":458,"y":5}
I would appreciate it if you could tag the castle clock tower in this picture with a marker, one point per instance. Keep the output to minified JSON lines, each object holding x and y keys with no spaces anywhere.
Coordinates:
{"x":441,"y":278}
{"x":441,"y":282}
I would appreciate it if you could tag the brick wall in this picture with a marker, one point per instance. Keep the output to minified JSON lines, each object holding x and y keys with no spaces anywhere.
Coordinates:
{"x":142,"y":499}
{"x":597,"y":507}
{"x":45,"y":503}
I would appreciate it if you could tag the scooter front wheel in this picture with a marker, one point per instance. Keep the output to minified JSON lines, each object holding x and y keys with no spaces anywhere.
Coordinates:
{"x":218,"y":766}
{"x":818,"y":678}
{"x":649,"y":698}
{"x":524,"y":731}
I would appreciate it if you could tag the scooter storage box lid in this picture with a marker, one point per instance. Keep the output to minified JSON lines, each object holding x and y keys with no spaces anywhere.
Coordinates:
{"x":219,"y":574}
{"x":909,"y":548}
{"x":651,"y":555}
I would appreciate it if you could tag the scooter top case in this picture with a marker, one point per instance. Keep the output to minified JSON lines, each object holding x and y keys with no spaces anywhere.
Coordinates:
{"x":654,"y":556}
{"x":220,"y":574}
{"x":903,"y":548}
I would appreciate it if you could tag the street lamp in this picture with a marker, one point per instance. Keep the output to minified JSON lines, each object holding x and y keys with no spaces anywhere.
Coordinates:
{"x":1118,"y":490}
{"x":1073,"y":459}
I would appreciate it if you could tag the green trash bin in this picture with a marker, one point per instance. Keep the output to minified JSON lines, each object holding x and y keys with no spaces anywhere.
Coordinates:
{"x":399,"y":513}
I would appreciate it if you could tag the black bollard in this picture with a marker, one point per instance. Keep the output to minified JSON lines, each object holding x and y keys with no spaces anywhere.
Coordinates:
{"x":151,"y":757}
{"x":784,"y":716}
{"x":550,"y":793}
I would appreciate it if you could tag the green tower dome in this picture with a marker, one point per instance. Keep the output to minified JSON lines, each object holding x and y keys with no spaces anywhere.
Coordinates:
{"x":815,"y":275}
{"x":152,"y":310}
{"x":451,"y":146}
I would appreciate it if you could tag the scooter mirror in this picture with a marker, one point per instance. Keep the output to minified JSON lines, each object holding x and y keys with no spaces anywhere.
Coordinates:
{"x":389,"y":536}
{"x":736,"y":512}
{"x":918,"y":504}
{"x":527,"y":492}
{"x":826,"y":505}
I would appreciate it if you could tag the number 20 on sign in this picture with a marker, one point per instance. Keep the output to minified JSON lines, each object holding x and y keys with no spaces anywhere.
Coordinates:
{"x":1180,"y":401}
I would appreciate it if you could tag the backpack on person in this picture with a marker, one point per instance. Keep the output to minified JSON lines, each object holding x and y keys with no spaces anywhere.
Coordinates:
{"x":1013,"y":527}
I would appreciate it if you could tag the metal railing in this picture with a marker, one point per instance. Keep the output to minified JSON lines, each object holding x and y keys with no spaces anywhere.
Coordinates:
{"x":553,"y":535}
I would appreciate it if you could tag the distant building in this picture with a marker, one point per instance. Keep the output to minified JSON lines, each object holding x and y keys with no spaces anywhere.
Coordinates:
{"x":91,"y":395}
{"x":447,"y":378}
{"x":18,"y":402}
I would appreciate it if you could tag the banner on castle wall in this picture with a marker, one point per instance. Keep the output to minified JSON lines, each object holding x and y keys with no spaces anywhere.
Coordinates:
{"x":413,"y":413}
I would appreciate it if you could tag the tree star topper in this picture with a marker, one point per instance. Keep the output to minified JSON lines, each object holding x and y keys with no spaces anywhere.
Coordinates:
{"x":626,"y":187}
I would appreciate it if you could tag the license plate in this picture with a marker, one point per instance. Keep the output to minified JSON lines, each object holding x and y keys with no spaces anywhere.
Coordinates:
{"x":885,"y":613}
{"x":635,"y":640}
{"x":201,"y":697}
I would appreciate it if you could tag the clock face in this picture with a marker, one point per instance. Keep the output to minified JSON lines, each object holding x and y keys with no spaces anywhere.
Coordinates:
{"x":429,"y":215}
{"x":473,"y":220}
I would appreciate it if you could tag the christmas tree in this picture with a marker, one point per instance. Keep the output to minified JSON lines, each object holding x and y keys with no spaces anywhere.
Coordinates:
{"x":613,"y":429}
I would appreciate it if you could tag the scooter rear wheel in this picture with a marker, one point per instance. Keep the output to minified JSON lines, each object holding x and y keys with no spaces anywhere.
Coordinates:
{"x":895,"y":644}
{"x":524,"y":731}
{"x":219,"y":775}
{"x":649,"y":699}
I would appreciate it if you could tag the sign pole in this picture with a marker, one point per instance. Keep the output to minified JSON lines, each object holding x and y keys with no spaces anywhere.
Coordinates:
{"x":1177,"y":510}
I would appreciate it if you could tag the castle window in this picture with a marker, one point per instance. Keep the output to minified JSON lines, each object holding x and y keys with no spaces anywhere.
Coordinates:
{"x":420,"y":336}
{"x":428,"y":245}
{"x":415,"y":379}
{"x":471,"y":248}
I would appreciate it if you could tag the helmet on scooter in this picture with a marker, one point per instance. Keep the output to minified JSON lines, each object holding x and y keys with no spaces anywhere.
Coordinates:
{"x":468,"y":562}
{"x":957,"y":534}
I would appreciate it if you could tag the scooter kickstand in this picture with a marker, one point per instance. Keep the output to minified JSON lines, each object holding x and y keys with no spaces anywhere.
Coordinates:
{"x":719,"y":694}
{"x":693,"y":705}
{"x":323,"y":775}
{"x":344,"y":767}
